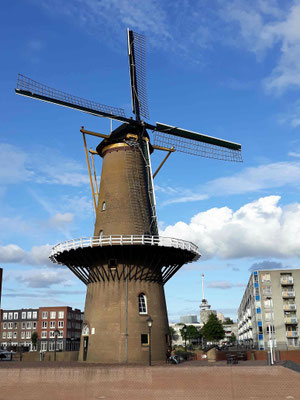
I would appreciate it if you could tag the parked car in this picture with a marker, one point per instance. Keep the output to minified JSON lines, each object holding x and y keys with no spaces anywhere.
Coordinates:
{"x":5,"y":355}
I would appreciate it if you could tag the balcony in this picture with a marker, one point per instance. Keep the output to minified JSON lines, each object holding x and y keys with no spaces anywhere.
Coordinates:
{"x":289,"y":307}
{"x":292,"y":334}
{"x":291,"y":320}
{"x":288,"y":294}
{"x":287,"y":281}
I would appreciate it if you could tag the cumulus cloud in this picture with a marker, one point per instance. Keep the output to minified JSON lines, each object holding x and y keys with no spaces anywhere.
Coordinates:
{"x":13,"y":254}
{"x":261,"y":228}
{"x":224,"y":285}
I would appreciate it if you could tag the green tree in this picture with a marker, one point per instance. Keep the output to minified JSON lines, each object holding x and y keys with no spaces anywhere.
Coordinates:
{"x":213,"y":330}
{"x":228,"y":321}
{"x":232,"y":338}
{"x":191,"y":333}
{"x":34,"y":339}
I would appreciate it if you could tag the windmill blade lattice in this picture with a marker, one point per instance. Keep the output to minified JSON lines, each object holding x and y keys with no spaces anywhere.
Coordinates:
{"x":139,"y":46}
{"x":197,"y":148}
{"x":28,"y":87}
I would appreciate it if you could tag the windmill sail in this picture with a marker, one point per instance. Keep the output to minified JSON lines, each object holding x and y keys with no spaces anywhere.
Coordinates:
{"x":30,"y":88}
{"x":137,"y":68}
{"x":196,"y":143}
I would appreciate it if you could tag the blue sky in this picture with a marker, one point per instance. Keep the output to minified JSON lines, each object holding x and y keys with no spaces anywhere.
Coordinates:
{"x":227,"y":69}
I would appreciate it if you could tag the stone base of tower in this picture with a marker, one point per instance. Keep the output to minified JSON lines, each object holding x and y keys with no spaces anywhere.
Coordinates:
{"x":113,"y":325}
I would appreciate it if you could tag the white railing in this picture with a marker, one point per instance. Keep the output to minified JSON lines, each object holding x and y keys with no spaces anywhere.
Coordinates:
{"x":292,"y":334}
{"x":287,"y":281}
{"x":291,"y":320}
{"x":288,"y":293}
{"x":289,"y":307}
{"x":112,"y":240}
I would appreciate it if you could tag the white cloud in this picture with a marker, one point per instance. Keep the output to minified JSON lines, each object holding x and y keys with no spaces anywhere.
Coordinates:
{"x":294,"y":154}
{"x":264,"y":25}
{"x":38,"y":255}
{"x":44,"y":278}
{"x":224,"y":285}
{"x":253,"y":179}
{"x":14,"y":166}
{"x":258,"y":229}
{"x":61,"y":220}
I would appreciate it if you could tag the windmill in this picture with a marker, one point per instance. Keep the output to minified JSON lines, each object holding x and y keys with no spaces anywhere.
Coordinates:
{"x":125,"y":264}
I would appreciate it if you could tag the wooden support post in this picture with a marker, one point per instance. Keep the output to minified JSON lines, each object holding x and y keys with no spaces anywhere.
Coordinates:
{"x":164,"y":160}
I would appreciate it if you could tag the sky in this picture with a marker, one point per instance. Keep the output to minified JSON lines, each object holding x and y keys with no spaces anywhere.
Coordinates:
{"x":225,"y":69}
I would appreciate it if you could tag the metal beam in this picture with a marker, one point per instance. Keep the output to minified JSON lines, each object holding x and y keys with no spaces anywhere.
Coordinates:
{"x":162,"y":163}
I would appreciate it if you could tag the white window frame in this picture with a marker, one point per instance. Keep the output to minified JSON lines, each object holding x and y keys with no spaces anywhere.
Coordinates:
{"x":3,"y":335}
{"x":51,"y":334}
{"x":61,"y":314}
{"x":10,"y":315}
{"x":28,"y":325}
{"x":34,"y":314}
{"x":4,"y":325}
{"x":34,"y":324}
{"x":45,"y":315}
{"x":5,"y":315}
{"x":15,"y":335}
{"x":44,"y":335}
{"x":29,"y":315}
{"x":143,"y":309}
{"x":28,"y":334}
{"x":16,"y":315}
{"x":43,"y":346}
{"x":22,"y":335}
{"x":9,"y":325}
{"x":23,"y":314}
{"x":60,"y":324}
{"x":44,"y":324}
{"x":52,"y":314}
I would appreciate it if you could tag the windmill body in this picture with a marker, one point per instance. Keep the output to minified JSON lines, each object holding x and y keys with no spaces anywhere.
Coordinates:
{"x":125,"y":264}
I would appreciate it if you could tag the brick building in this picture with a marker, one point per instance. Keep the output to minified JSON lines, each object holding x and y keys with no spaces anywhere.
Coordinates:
{"x":63,"y":322}
{"x":17,"y":326}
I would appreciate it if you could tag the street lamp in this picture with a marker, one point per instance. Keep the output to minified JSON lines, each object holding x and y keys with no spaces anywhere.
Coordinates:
{"x":149,"y":323}
{"x":184,"y":331}
{"x":56,"y":333}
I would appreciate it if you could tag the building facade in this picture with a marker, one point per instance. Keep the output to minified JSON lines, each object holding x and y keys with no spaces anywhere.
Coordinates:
{"x":17,"y":327}
{"x":60,"y":324}
{"x":267,"y":315}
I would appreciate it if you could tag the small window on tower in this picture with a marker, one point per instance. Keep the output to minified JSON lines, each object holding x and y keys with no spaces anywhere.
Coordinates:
{"x":103,"y":206}
{"x":144,"y":339}
{"x":101,"y":234}
{"x":142,"y":304}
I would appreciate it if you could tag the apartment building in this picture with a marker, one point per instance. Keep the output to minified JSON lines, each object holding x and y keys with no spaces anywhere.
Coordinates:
{"x":268,"y":311}
{"x":17,"y":327}
{"x":52,"y":324}
{"x":60,"y":324}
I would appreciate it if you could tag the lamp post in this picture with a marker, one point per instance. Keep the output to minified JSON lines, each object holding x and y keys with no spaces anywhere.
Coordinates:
{"x":149,"y":323}
{"x":184,"y":331}
{"x":56,"y":333}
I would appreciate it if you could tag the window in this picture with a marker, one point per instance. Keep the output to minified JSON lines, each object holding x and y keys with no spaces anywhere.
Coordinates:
{"x":44,"y":324}
{"x":23,"y":315}
{"x":28,"y":325}
{"x":60,"y":345}
{"x":15,"y":325}
{"x":34,"y":325}
{"x":34,"y":315}
{"x":61,"y":314}
{"x":61,"y":334}
{"x":43,"y":346}
{"x":51,"y":334}
{"x":269,"y":316}
{"x":16,"y":315}
{"x":23,"y":325}
{"x":5,"y":315}
{"x":265,"y":277}
{"x":9,"y":325}
{"x":103,"y":208}
{"x":142,"y":304}
{"x":22,"y":335}
{"x":4,"y":325}
{"x":44,"y":334}
{"x":45,"y":314}
{"x":3,"y":335}
{"x":60,"y":324}
{"x":29,"y":314}
{"x":272,"y":328}
{"x":15,"y":335}
{"x":9,"y":335}
{"x":268,"y":302}
{"x":101,"y":234}
{"x":10,"y":315}
{"x":144,"y":339}
{"x":52,"y":324}
{"x":53,"y":314}
{"x":28,"y":335}
{"x":51,"y":346}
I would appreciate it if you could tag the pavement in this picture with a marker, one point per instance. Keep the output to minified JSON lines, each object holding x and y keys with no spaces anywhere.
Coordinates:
{"x":190,"y":380}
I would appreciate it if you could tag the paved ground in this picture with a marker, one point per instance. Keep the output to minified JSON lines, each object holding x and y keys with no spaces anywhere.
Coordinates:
{"x":190,"y":380}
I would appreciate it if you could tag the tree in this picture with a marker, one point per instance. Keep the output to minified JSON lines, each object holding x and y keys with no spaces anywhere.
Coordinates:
{"x":213,"y":330}
{"x":191,"y":333}
{"x":232,"y":338}
{"x":34,"y":339}
{"x":228,"y":321}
